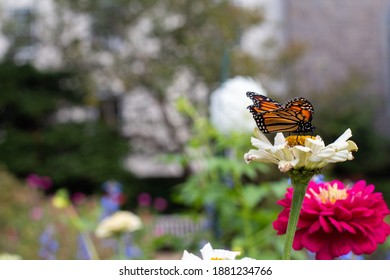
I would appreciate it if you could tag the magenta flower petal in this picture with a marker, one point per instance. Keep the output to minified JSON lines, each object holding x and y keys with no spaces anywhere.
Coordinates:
{"x":361,"y":211}
{"x":342,"y":213}
{"x":310,"y":212}
{"x":324,"y":255}
{"x":297,"y":243}
{"x":327,"y":213}
{"x":339,"y":246}
{"x":348,"y":227}
{"x":312,"y":242}
{"x":362,"y":229}
{"x":336,"y":219}
{"x":314,"y":227}
{"x":336,"y":224}
{"x":325,"y":225}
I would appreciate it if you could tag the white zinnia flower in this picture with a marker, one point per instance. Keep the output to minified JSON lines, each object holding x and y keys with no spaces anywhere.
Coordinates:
{"x":228,"y":104}
{"x":296,"y":152}
{"x":118,"y":223}
{"x":208,"y":253}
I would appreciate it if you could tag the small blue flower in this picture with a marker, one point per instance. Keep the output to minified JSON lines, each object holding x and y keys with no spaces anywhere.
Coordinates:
{"x":49,"y":246}
{"x":319,"y":178}
{"x":131,"y":251}
{"x":351,"y":256}
{"x":112,"y":187}
{"x":82,"y":249}
{"x":109,"y":206}
{"x":111,"y":201}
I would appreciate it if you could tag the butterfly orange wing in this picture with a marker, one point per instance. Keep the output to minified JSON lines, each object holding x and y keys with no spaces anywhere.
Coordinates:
{"x":302,"y":106}
{"x":293,"y":116}
{"x":277,"y":121}
{"x":261,"y":103}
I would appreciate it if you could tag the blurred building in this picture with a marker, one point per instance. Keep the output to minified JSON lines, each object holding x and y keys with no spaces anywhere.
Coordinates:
{"x":341,"y":37}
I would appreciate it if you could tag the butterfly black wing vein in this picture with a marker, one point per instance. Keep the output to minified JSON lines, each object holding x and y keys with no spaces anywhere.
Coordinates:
{"x":293,"y":116}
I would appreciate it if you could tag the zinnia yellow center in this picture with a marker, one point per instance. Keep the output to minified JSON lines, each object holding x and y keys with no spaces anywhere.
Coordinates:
{"x":295,"y":140}
{"x":330,"y":195}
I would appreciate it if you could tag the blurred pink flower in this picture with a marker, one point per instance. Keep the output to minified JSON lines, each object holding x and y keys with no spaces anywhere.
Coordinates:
{"x":158,"y":231}
{"x":78,"y":198}
{"x":144,"y":199}
{"x":160,"y":204}
{"x":36,"y":213}
{"x":39,"y":182}
{"x":336,"y":219}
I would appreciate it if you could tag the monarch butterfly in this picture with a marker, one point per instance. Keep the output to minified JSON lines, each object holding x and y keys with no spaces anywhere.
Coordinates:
{"x":293,"y":116}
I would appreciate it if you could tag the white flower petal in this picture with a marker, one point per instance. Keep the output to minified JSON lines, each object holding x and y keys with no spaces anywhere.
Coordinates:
{"x":313,"y":155}
{"x":118,"y":223}
{"x":208,"y":253}
{"x":302,"y":149}
{"x":190,"y":257}
{"x":338,"y":145}
{"x":285,"y":166}
{"x":314,"y":144}
{"x":340,"y":156}
{"x":285,"y":154}
{"x":260,"y":136}
{"x":279,"y":139}
{"x":322,"y":154}
{"x":301,"y":155}
{"x":219,"y":254}
{"x":352,"y":146}
{"x":260,"y":155}
{"x":345,"y":136}
{"x":260,"y":144}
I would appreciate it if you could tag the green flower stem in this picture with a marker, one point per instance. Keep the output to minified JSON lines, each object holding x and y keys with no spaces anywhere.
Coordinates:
{"x":78,"y":224}
{"x":90,"y":246}
{"x":299,"y":179}
{"x":120,"y":253}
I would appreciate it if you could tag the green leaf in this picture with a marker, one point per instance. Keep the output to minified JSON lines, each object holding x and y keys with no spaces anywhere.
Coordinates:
{"x":254,"y":195}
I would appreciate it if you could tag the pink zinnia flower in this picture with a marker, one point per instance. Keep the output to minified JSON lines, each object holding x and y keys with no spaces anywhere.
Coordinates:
{"x":336,"y":219}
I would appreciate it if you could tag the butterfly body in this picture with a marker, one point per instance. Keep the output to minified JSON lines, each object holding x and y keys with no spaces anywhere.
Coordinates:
{"x":293,"y":116}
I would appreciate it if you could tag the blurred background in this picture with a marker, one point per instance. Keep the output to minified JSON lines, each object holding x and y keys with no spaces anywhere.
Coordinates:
{"x":140,"y":105}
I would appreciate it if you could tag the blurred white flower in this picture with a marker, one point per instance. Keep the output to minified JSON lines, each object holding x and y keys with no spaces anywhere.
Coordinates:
{"x":228,"y":105}
{"x":118,"y":223}
{"x":208,"y":253}
{"x":7,"y":256}
{"x":296,"y":152}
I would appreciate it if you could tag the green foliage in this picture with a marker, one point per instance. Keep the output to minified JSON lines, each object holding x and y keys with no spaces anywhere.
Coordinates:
{"x":25,"y":214}
{"x":20,"y":229}
{"x":28,"y":96}
{"x":14,"y":214}
{"x":72,"y":154}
